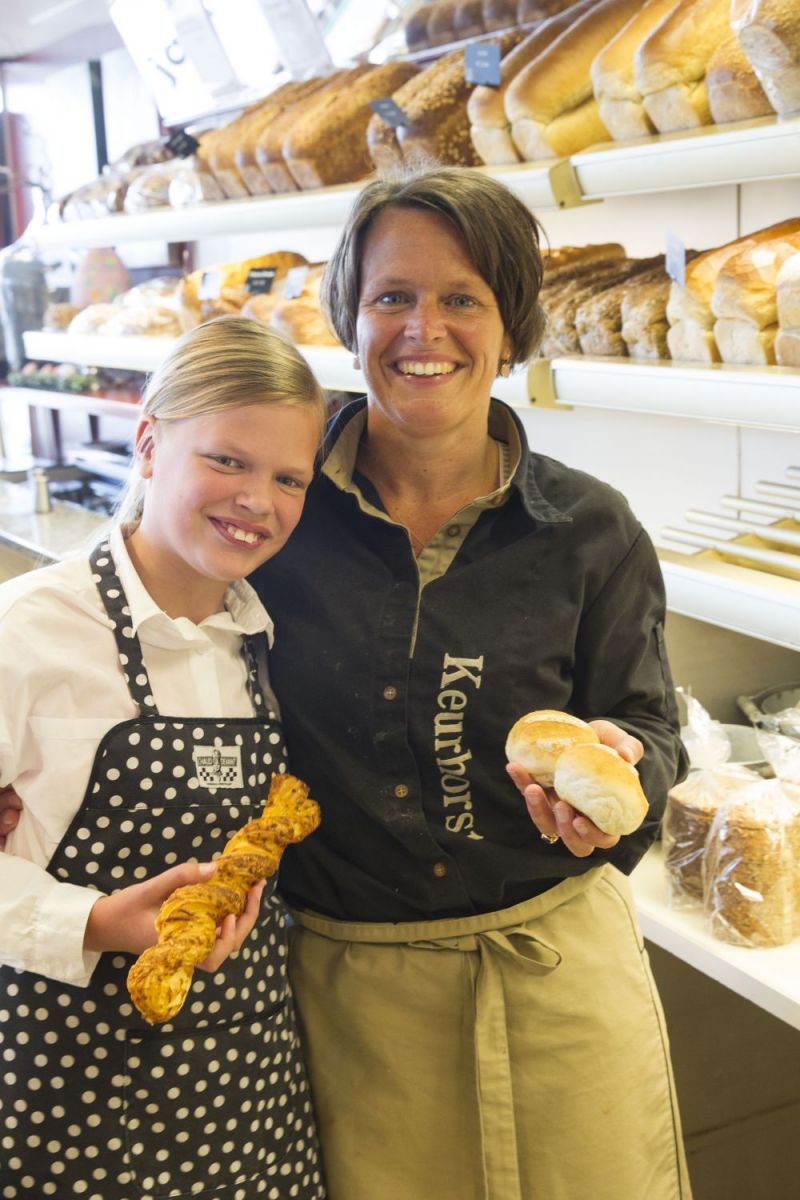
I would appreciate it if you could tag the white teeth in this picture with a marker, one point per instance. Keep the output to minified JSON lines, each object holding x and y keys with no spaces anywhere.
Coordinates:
{"x":243,"y":535}
{"x":426,"y":368}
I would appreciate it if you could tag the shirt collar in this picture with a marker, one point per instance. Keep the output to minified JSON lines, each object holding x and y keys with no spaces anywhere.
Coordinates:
{"x":346,"y":430}
{"x":243,"y":614}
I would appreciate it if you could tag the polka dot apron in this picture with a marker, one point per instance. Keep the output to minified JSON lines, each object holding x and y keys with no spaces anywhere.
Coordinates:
{"x":96,"y":1103}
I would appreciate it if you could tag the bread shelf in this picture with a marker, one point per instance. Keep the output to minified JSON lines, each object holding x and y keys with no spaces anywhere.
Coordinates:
{"x":768,"y":978}
{"x":93,"y":350}
{"x":730,"y":596}
{"x":759,"y":397}
{"x":94,"y":406}
{"x":701,"y":158}
{"x":738,"y":153}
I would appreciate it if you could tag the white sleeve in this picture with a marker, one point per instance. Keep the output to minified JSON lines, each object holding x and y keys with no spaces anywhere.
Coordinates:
{"x":42,"y":922}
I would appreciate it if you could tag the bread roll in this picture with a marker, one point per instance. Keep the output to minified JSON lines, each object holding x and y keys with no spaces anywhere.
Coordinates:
{"x":769,"y":33}
{"x":670,"y":65}
{"x":787,"y":347}
{"x":490,"y":127}
{"x":597,"y":782}
{"x":745,"y":288}
{"x":787,"y":292}
{"x":539,"y":738}
{"x":618,"y":97}
{"x":745,"y":344}
{"x":550,"y":104}
{"x":734,"y":92}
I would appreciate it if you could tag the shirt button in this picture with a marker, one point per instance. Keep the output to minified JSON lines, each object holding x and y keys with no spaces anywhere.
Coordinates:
{"x":401,"y":791}
{"x":390,"y":693}
{"x":439,"y":869}
{"x":453,"y":530}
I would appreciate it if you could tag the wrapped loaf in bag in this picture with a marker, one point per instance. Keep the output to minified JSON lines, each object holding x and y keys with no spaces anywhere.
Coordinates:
{"x":769,"y":34}
{"x":160,"y":979}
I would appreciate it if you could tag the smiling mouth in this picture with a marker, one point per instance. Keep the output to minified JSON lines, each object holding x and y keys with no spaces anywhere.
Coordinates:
{"x":235,"y":533}
{"x":427,"y":368}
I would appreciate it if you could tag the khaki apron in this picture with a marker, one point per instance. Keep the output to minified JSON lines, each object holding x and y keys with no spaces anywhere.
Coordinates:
{"x":519,"y":1055}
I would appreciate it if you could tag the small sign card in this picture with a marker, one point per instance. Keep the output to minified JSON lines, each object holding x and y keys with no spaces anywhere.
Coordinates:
{"x":210,"y":286}
{"x":294,"y":282}
{"x":482,"y":63}
{"x":260,"y":280}
{"x":675,"y":261}
{"x":390,"y":112}
{"x":182,"y":144}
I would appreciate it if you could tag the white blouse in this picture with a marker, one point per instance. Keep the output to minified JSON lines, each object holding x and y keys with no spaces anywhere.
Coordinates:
{"x":62,"y":690}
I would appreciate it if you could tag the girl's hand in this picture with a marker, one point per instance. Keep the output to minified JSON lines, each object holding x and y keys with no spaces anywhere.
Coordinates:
{"x":125,"y":921}
{"x":554,"y":818}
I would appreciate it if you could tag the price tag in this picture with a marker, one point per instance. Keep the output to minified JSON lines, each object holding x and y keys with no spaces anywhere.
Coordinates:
{"x":182,"y":144}
{"x":675,"y":259}
{"x":482,"y":63}
{"x":210,"y":285}
{"x":294,"y":282}
{"x":389,"y":112}
{"x":260,"y":280}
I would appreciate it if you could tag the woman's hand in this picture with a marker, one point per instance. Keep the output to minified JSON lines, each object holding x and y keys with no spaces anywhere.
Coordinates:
{"x":10,"y":808}
{"x":125,"y":921}
{"x":554,"y":818}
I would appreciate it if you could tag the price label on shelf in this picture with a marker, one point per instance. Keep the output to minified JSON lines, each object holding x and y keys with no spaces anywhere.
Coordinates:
{"x":210,"y":285}
{"x":260,"y":280}
{"x":294,"y":282}
{"x":182,"y":144}
{"x":390,"y":112}
{"x":675,"y":261}
{"x":482,"y":63}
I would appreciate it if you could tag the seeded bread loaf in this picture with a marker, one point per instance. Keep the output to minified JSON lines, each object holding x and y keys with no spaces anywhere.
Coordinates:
{"x":598,"y":319}
{"x":269,"y":149}
{"x":247,"y":144}
{"x":643,"y":316}
{"x":734,"y":92}
{"x":222,"y":152}
{"x":333,"y":148}
{"x":769,"y":33}
{"x":563,"y":300}
{"x":671,"y":63}
{"x":490,"y":127}
{"x":550,"y":103}
{"x":618,"y":98}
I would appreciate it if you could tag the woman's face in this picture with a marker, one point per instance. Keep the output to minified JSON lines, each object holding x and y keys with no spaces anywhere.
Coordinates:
{"x":430,"y":336}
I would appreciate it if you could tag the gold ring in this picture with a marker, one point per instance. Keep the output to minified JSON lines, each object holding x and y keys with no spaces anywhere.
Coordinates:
{"x":550,"y":837}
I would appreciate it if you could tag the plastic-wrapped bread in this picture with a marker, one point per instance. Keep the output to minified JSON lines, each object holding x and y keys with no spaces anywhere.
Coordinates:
{"x":550,"y":103}
{"x":612,"y":72}
{"x":160,"y":979}
{"x":769,"y":34}
{"x":490,"y":127}
{"x":671,"y":63}
{"x":734,"y":92}
{"x":332,"y":148}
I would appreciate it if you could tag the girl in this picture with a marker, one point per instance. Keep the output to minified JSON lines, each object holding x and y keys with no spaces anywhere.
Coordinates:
{"x":139,"y":731}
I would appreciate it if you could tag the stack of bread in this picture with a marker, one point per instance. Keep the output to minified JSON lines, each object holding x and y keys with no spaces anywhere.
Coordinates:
{"x":787,"y":295}
{"x":296,"y":313}
{"x":225,"y":288}
{"x":769,"y":34}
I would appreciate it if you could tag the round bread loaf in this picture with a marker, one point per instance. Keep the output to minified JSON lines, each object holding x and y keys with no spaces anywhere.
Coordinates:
{"x":538,"y":739}
{"x":596,"y":781}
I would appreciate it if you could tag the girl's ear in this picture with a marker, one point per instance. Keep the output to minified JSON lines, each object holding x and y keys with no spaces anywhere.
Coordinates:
{"x":144,"y":446}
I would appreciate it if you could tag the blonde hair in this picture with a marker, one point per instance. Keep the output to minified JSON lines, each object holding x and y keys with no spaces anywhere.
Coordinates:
{"x":225,"y":363}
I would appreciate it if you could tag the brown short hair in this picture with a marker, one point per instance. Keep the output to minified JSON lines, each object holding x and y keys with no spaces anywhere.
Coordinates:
{"x":501,"y":236}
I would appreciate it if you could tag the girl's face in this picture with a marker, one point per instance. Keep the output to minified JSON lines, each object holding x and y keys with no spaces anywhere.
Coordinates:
{"x":225,"y":490}
{"x":429,"y":332}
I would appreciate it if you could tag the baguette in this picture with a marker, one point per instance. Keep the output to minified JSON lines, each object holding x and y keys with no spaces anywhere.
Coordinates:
{"x":734,"y":92}
{"x":670,"y":64}
{"x":490,"y":127}
{"x":550,"y":103}
{"x":332,"y":148}
{"x":159,"y":980}
{"x":769,"y":33}
{"x":612,"y":73}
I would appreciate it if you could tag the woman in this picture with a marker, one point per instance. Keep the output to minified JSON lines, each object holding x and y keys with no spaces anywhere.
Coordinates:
{"x":140,"y":676}
{"x":480,"y":1019}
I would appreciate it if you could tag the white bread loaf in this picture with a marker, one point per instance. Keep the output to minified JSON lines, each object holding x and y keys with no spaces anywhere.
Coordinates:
{"x":745,"y":344}
{"x":689,"y":341}
{"x":670,"y":65}
{"x":597,"y":782}
{"x":537,"y":740}
{"x":787,"y":347}
{"x":615,"y":90}
{"x":490,"y":127}
{"x":745,"y":289}
{"x":734,"y":92}
{"x":333,"y":148}
{"x":769,"y":33}
{"x":550,"y":104}
{"x":787,"y":292}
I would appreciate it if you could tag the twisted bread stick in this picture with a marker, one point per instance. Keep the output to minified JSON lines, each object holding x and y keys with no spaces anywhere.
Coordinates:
{"x":187,"y":922}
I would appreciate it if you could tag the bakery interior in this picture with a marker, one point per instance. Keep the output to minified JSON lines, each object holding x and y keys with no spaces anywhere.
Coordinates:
{"x":162,"y":162}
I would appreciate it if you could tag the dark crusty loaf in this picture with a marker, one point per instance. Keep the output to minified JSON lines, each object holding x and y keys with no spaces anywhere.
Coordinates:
{"x":269,"y":149}
{"x":598,"y":318}
{"x":247,"y":143}
{"x":562,"y":299}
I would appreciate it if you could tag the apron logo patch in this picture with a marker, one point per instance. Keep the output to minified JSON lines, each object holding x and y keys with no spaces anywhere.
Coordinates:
{"x":218,"y":766}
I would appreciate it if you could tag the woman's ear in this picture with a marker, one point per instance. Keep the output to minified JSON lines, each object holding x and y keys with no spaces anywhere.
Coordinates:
{"x":144,"y":446}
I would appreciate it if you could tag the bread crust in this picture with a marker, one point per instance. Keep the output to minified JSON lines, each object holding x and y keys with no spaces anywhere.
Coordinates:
{"x":612,"y":74}
{"x":537,"y":740}
{"x":597,"y":782}
{"x":678,"y":50}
